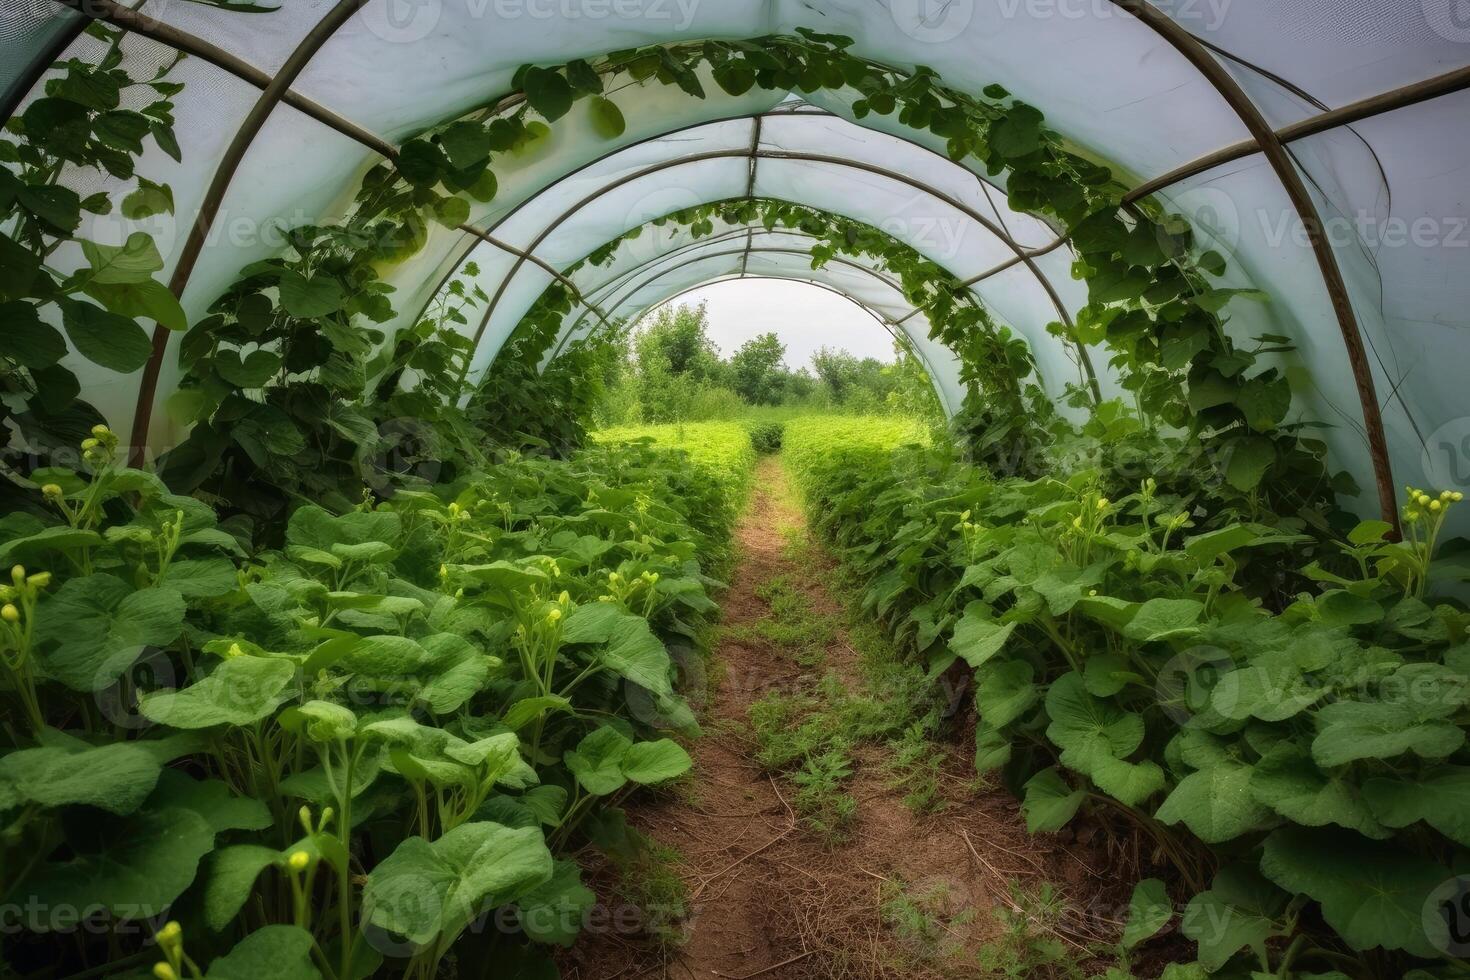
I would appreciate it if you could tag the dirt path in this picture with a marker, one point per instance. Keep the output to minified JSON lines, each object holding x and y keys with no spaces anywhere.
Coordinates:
{"x":904,"y":893}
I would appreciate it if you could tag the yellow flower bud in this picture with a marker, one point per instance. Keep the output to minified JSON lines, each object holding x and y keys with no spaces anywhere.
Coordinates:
{"x":101,"y":431}
{"x":1102,"y":503}
{"x":443,"y":571}
{"x":1458,"y":496}
{"x":554,"y":615}
{"x":163,"y":971}
{"x":10,"y":614}
{"x":565,"y":598}
{"x":90,"y":444}
{"x":299,"y":860}
{"x":51,"y":490}
{"x":39,"y":580}
{"x":1436,"y":506}
{"x":170,"y":933}
{"x":454,"y":510}
{"x":1077,"y":523}
{"x":327,"y":816}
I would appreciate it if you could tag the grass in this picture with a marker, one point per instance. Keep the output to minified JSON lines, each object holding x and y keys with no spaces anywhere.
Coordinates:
{"x":792,"y":625}
{"x":650,"y":882}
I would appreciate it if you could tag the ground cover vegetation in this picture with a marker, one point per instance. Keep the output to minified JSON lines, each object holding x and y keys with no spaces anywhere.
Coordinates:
{"x":329,"y":689}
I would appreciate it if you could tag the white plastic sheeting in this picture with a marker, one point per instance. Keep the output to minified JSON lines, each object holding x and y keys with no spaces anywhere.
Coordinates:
{"x":1106,"y":81}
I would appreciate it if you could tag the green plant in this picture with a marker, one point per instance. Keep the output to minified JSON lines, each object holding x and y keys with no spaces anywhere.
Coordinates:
{"x":928,"y":919}
{"x":1029,"y":944}
{"x":765,"y":437}
{"x":435,"y":693}
{"x":1269,"y":703}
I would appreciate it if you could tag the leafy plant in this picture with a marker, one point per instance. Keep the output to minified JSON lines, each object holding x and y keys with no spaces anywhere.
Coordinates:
{"x":1248,"y":690}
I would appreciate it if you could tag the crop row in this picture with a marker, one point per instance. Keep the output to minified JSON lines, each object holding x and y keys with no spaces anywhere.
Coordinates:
{"x":353,"y":752}
{"x":1277,"y":709}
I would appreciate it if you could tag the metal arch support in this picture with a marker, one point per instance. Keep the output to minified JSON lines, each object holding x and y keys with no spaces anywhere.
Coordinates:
{"x":1193,"y":49}
{"x":1281,"y":162}
{"x":768,"y":155}
{"x":775,"y":113}
{"x":137,"y":22}
{"x":755,"y":162}
{"x":250,"y":126}
{"x":620,"y":282}
{"x":890,"y":325}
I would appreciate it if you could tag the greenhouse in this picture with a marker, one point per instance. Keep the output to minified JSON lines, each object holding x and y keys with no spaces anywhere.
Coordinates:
{"x":426,"y":560}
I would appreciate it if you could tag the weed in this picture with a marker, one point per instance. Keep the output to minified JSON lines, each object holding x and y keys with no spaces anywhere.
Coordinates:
{"x":1030,"y":945}
{"x":650,"y":882}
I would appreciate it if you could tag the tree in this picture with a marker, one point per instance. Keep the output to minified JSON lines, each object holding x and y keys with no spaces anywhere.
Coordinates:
{"x":677,"y":343}
{"x":835,"y":369}
{"x":756,"y":371}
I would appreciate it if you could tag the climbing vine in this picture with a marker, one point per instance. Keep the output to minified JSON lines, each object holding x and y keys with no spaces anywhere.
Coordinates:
{"x":286,"y":373}
{"x":91,"y":118}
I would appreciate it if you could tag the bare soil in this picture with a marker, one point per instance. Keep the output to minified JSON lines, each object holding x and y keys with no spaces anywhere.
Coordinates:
{"x":770,"y":898}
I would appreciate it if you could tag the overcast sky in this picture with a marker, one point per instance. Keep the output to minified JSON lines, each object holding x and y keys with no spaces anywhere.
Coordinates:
{"x":804,"y":318}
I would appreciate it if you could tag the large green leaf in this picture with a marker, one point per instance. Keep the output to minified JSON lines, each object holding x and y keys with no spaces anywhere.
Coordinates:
{"x":231,"y":877}
{"x":597,"y":761}
{"x":1050,"y":804}
{"x":239,"y":691}
{"x":1440,"y":797}
{"x":1127,"y":782}
{"x":635,"y":653}
{"x":1005,"y":691}
{"x":144,"y":864}
{"x":1289,"y":782}
{"x":426,"y":890}
{"x":1351,"y":730}
{"x":553,"y":912}
{"x":1163,"y":619}
{"x":1149,"y":910}
{"x":1216,"y":803}
{"x":1372,"y":894}
{"x":27,"y":339}
{"x":310,"y":298}
{"x":1087,"y":728}
{"x":95,"y":626}
{"x":1241,"y":909}
{"x":116,"y":777}
{"x":607,"y":118}
{"x":212,"y":799}
{"x":976,"y":639}
{"x":278,"y":952}
{"x":548,"y":92}
{"x":655,"y":762}
{"x":105,"y":338}
{"x":134,"y":261}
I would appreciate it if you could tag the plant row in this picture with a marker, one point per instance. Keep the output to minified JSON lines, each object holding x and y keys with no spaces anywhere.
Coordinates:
{"x":1276,"y":707}
{"x":372,"y":750}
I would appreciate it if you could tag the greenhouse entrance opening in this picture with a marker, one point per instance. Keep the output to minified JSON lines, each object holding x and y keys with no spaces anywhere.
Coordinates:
{"x":765,"y":347}
{"x":795,"y":489}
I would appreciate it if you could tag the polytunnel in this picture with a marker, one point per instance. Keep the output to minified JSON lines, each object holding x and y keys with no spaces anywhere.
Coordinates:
{"x":297,"y":303}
